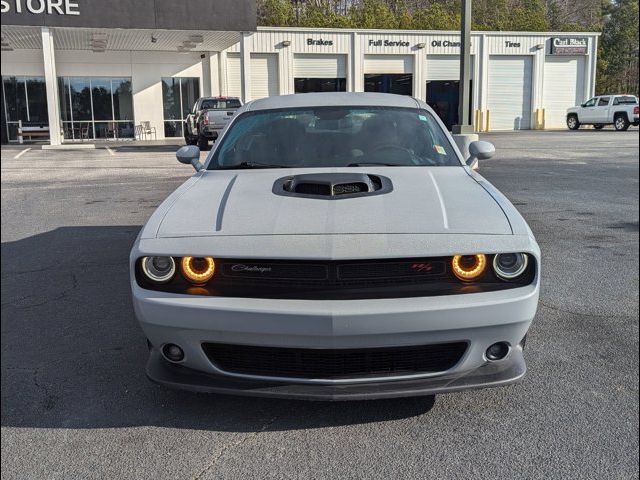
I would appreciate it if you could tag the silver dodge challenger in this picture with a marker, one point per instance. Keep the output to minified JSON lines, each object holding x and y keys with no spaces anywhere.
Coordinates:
{"x":335,"y":246}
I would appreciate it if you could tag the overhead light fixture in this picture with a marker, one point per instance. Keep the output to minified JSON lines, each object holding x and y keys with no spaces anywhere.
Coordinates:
{"x":188,"y":44}
{"x":154,"y":39}
{"x":196,"y":38}
{"x":7,"y":49}
{"x":286,"y":43}
{"x":183,"y":49}
{"x":421,"y":45}
{"x":540,"y":46}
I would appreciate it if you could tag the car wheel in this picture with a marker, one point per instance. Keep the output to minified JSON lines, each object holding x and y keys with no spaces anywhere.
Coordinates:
{"x":572,"y":122}
{"x":598,"y":126}
{"x":203,"y":143}
{"x":621,"y":123}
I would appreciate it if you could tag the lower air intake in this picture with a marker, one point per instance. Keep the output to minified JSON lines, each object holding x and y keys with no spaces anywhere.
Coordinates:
{"x":334,"y":364}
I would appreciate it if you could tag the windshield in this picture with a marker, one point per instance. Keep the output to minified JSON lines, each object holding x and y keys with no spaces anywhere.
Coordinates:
{"x":220,"y":104}
{"x":334,"y":137}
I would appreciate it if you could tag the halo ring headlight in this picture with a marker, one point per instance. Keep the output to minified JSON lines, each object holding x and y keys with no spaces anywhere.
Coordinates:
{"x":509,"y":266}
{"x":469,"y":267}
{"x":198,"y":270}
{"x":158,"y":269}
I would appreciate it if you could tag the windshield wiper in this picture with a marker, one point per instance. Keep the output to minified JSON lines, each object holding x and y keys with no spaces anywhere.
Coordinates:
{"x":367,"y":164}
{"x":252,"y":165}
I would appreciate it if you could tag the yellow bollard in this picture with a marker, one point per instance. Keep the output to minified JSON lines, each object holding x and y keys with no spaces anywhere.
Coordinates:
{"x":478,"y":123}
{"x":488,"y":120}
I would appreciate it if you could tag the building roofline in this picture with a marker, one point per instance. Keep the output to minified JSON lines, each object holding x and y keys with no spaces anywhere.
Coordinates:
{"x":421,"y":32}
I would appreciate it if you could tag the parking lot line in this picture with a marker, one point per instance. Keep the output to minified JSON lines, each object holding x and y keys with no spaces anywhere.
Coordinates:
{"x":111,"y":152}
{"x":22,"y":152}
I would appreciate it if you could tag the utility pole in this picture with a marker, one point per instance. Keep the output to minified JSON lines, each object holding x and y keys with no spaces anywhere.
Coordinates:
{"x":463,"y":126}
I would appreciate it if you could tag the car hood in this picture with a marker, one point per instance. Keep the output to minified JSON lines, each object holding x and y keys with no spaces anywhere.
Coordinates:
{"x":427,"y":200}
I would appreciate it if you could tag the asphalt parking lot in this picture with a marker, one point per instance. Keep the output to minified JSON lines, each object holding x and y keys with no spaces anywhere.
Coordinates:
{"x":76,"y":402}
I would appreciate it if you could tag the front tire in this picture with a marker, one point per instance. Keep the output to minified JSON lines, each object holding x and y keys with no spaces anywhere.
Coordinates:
{"x":598,"y":126}
{"x":572,"y":122}
{"x":203,"y":143}
{"x":621,"y":123}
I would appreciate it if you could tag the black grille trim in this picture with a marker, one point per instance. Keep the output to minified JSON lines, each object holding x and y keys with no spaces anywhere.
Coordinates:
{"x":335,"y":364}
{"x":338,"y":279}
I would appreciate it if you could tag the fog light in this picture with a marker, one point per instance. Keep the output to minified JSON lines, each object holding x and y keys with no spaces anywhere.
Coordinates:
{"x":172,"y":352}
{"x":497,"y":351}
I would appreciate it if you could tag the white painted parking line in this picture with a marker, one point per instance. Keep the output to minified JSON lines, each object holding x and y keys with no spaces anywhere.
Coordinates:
{"x":111,"y":152}
{"x":22,"y":152}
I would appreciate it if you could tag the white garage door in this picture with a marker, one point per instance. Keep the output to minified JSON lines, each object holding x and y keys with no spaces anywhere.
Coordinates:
{"x":234,"y":86}
{"x":444,"y":67}
{"x":388,"y":64}
{"x":264,"y":75}
{"x":563,"y":88}
{"x":509,"y":95}
{"x":319,"y":66}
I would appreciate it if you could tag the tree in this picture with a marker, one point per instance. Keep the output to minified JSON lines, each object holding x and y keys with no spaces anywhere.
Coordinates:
{"x":618,"y":68}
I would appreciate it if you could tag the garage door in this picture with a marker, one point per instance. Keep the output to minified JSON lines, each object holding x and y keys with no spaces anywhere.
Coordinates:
{"x":388,"y":64}
{"x":444,"y":67}
{"x":319,"y":66}
{"x":264,"y":75}
{"x":563,"y":88}
{"x":509,"y":92}
{"x":234,"y":86}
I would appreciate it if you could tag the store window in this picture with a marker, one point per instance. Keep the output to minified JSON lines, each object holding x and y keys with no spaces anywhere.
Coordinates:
{"x":179,"y":95}
{"x":307,"y":85}
{"x":24,"y":99}
{"x":398,"y":83}
{"x":96,"y":107}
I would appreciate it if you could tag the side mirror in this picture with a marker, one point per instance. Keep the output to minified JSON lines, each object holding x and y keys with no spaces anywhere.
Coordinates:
{"x":190,"y":155}
{"x":479,"y":151}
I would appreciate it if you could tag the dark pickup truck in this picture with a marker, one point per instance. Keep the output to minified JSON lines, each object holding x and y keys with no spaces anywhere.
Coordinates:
{"x":208,"y":118}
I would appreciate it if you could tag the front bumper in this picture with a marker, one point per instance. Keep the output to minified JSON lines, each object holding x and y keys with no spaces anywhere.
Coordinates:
{"x":480,"y":319}
{"x":495,"y":374}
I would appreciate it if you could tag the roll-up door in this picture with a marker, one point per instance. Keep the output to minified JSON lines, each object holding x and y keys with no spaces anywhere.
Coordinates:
{"x":377,"y":64}
{"x":563,"y":88}
{"x":444,"y":67}
{"x":234,"y":85}
{"x":264,"y":75}
{"x":319,"y":66}
{"x":509,"y":92}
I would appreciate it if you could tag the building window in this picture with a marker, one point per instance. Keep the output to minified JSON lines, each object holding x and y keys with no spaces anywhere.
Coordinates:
{"x":24,"y":99}
{"x":307,"y":85}
{"x":96,"y":107}
{"x":179,"y":94}
{"x":398,"y":83}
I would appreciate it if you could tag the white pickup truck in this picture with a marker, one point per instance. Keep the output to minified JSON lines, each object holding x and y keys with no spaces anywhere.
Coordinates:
{"x":621,"y":111}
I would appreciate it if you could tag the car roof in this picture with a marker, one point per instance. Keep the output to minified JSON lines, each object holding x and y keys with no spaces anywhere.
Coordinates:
{"x":327,"y":99}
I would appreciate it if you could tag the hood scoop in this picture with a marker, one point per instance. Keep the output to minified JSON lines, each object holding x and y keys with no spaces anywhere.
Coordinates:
{"x":332,"y":186}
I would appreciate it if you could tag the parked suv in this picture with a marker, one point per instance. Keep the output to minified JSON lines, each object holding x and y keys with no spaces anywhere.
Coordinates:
{"x":621,"y":111}
{"x":208,"y":118}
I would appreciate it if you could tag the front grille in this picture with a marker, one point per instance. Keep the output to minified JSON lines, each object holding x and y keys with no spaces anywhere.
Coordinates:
{"x":336,"y":363}
{"x":337,"y":279}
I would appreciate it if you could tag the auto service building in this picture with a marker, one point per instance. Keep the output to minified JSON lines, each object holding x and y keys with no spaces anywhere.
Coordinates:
{"x":86,"y":70}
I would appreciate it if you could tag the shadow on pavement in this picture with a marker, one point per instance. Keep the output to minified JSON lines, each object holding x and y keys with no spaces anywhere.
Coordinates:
{"x":73,"y":355}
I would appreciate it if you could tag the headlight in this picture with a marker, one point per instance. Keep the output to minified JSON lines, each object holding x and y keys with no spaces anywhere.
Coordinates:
{"x":469,"y":267}
{"x":159,"y":269}
{"x":509,"y":266}
{"x":198,"y":270}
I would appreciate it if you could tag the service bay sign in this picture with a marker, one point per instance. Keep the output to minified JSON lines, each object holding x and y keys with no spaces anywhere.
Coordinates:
{"x":569,"y":46}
